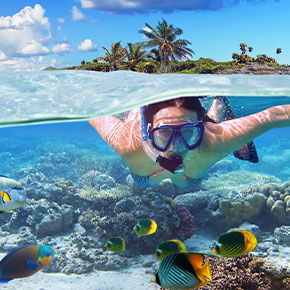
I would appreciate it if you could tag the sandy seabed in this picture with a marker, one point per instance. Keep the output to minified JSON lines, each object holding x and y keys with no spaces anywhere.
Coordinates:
{"x":95,"y":281}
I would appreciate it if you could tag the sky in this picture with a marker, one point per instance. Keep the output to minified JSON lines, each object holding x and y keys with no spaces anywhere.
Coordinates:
{"x":35,"y":34}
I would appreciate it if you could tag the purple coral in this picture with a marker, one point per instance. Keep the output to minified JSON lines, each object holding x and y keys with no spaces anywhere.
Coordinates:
{"x":186,"y":228}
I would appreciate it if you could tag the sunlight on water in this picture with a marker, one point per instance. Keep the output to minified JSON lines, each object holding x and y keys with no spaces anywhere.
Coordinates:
{"x":78,"y":95}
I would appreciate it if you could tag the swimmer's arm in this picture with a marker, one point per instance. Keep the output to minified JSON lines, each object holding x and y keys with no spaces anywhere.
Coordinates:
{"x":119,"y":135}
{"x":235,"y":133}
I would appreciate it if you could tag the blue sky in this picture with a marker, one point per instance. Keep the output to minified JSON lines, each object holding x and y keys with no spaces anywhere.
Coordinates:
{"x":37,"y":34}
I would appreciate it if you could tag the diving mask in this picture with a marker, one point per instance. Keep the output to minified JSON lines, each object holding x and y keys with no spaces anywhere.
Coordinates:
{"x":186,"y":136}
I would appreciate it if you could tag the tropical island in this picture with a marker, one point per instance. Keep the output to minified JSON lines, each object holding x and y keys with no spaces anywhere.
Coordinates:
{"x":170,"y":54}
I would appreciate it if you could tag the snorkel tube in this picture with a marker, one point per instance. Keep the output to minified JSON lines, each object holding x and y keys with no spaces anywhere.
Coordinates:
{"x":174,"y":165}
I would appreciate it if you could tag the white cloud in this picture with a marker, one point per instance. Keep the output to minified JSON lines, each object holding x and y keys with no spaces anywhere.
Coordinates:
{"x":87,"y":45}
{"x":77,"y":15}
{"x":165,"y":6}
{"x":22,"y":64}
{"x":62,"y":48}
{"x":60,"y":20}
{"x":25,"y":33}
{"x":34,"y":48}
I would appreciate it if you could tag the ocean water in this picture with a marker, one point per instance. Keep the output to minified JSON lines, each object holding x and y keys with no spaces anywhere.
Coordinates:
{"x":79,"y":190}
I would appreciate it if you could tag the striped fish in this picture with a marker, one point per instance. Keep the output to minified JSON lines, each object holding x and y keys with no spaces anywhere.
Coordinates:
{"x":235,"y":243}
{"x":183,"y":271}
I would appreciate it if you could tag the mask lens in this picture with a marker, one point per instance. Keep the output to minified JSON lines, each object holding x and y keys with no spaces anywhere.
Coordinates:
{"x":162,"y":136}
{"x":190,"y":134}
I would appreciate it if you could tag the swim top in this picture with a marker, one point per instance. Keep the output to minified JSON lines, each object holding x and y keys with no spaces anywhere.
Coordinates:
{"x":143,"y":180}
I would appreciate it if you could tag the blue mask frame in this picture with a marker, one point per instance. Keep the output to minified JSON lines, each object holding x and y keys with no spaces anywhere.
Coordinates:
{"x":176,"y":132}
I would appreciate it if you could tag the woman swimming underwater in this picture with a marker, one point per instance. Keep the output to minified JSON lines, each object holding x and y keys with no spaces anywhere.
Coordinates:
{"x":177,"y":139}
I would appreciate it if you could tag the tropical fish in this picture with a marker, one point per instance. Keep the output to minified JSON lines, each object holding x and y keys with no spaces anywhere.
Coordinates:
{"x":145,"y":227}
{"x":115,"y":244}
{"x":24,"y":261}
{"x":235,"y":243}
{"x":183,"y":271}
{"x":169,"y":247}
{"x":12,"y":194}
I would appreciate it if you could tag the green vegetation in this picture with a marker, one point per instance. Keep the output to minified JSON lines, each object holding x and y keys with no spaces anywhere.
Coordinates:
{"x":168,"y":54}
{"x":164,"y":37}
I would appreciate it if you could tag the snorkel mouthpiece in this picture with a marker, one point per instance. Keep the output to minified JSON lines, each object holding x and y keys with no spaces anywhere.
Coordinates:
{"x":174,"y":165}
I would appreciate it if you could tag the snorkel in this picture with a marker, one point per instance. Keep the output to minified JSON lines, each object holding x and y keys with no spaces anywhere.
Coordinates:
{"x":174,"y":165}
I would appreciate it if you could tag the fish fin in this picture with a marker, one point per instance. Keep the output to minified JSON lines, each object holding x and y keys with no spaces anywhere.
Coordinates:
{"x":183,"y":248}
{"x":32,"y":265}
{"x":203,"y":274}
{"x":5,"y":280}
{"x":250,"y":241}
{"x":205,"y":270}
{"x":247,"y":152}
{"x":202,"y":271}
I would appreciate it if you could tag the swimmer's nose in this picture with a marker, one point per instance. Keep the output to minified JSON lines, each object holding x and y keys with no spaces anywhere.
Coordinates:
{"x":177,"y":145}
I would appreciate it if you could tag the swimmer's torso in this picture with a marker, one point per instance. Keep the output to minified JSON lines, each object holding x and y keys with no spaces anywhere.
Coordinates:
{"x":197,"y":162}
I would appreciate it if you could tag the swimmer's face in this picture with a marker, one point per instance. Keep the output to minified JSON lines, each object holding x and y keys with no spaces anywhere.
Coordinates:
{"x":173,"y":116}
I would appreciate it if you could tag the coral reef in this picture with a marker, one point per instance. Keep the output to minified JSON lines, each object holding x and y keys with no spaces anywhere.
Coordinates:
{"x":236,"y":212}
{"x":282,"y":235}
{"x":246,"y":272}
{"x":226,"y":200}
{"x":186,"y":228}
{"x":278,"y":200}
{"x":78,"y":198}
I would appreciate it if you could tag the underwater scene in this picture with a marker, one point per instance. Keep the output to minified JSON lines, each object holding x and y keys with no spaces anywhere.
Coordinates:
{"x":73,"y":215}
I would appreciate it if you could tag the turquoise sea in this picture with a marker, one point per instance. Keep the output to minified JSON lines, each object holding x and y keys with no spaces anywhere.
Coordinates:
{"x":79,"y":190}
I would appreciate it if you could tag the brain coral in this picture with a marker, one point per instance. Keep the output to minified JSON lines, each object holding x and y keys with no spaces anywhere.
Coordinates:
{"x":236,"y":212}
{"x":278,"y":200}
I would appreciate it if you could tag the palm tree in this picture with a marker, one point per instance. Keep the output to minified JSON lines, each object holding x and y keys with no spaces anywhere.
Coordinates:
{"x":114,"y":57}
{"x":156,"y":55}
{"x":136,"y":54}
{"x":243,"y":47}
{"x":164,"y":37}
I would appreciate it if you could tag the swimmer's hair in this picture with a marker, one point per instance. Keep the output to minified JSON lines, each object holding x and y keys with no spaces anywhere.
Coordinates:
{"x":189,"y":103}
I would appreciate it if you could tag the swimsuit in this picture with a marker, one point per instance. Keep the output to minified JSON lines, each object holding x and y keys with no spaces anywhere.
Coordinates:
{"x":143,"y":180}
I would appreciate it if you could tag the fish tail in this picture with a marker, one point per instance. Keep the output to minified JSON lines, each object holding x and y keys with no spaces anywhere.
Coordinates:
{"x":205,"y":270}
{"x":203,"y":274}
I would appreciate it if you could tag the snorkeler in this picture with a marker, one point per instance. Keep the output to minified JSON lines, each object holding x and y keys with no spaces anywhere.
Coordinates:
{"x":177,"y":139}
